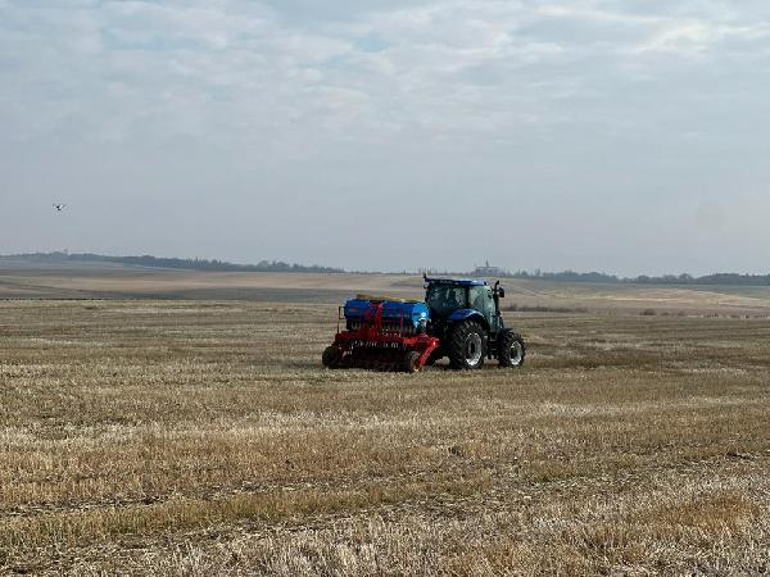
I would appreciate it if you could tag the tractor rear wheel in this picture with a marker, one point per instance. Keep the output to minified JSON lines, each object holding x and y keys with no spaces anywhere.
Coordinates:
{"x":466,"y":346}
{"x":332,"y":357}
{"x":511,"y":350}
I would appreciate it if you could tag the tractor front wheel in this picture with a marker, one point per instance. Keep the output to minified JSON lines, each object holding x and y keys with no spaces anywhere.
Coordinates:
{"x":466,"y":346}
{"x":332,"y":357}
{"x":512,"y":350}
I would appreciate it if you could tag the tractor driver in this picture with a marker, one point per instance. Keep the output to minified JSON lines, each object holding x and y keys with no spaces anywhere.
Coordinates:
{"x":452,"y":301}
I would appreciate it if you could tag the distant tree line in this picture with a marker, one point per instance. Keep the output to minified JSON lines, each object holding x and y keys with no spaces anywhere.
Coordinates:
{"x":669,"y":279}
{"x":177,"y":263}
{"x":568,"y":276}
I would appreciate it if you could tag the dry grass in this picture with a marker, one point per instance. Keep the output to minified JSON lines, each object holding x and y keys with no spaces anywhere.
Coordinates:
{"x":203,"y":438}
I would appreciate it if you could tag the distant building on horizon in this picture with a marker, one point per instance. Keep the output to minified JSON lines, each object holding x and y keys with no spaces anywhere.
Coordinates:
{"x":489,"y":270}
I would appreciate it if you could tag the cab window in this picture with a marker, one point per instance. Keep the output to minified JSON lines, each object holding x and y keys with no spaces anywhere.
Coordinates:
{"x":481,"y":300}
{"x":446,"y":299}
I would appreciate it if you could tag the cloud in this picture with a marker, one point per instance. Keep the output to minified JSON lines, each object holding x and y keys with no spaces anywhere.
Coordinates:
{"x":196,"y":63}
{"x":696,"y":37}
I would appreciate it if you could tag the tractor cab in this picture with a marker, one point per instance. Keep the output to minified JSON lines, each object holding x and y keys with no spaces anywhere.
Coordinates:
{"x":453,"y":300}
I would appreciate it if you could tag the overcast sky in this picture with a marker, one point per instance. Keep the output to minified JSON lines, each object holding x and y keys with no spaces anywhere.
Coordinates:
{"x":625,"y":136}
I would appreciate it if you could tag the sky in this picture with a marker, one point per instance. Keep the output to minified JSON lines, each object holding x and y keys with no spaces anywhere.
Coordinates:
{"x":630,"y":137}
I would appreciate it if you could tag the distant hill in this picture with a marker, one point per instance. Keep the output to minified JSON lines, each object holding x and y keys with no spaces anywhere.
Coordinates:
{"x":170,"y":263}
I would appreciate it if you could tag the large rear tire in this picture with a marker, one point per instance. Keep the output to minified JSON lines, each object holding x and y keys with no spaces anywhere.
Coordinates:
{"x":332,"y":357}
{"x":466,"y":346}
{"x":512,"y":350}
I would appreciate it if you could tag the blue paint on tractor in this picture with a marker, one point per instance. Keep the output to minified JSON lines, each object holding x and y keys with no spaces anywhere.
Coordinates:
{"x":413,"y":314}
{"x":464,"y":314}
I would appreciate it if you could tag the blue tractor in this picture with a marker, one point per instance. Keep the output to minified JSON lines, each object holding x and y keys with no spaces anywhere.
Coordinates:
{"x":465,"y":317}
{"x":460,"y":319}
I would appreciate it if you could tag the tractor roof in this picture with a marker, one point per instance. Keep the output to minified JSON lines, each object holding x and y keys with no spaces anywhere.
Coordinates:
{"x":457,"y":281}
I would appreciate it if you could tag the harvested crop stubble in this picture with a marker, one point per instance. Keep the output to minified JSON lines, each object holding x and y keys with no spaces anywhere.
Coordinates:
{"x":197,"y":438}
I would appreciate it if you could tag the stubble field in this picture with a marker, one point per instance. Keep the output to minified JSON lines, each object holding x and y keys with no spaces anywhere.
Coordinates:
{"x":182,"y":437}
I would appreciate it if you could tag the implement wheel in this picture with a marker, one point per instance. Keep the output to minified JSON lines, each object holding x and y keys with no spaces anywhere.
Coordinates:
{"x":332,"y":357}
{"x":466,"y":346}
{"x":411,"y":362}
{"x":512,"y":350}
